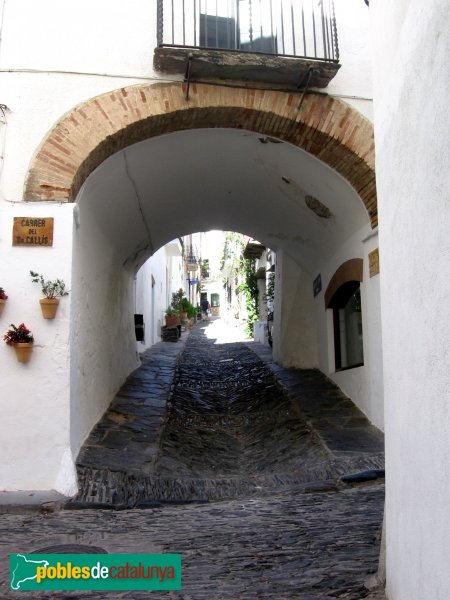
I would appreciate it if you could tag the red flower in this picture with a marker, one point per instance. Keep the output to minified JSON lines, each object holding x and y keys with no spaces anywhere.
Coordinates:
{"x":18,"y":335}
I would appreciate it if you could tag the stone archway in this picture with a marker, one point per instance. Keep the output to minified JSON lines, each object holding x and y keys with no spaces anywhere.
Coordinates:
{"x":325,"y":127}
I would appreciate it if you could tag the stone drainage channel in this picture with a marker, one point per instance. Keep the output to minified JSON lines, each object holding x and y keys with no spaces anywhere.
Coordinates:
{"x":268,"y":481}
{"x":225,"y":429}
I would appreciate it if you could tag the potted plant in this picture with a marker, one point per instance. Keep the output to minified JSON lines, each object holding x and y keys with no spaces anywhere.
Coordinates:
{"x":172,"y":317}
{"x":22,"y":340}
{"x":185,"y":307}
{"x":189,"y":311}
{"x":53,"y":291}
{"x":177,"y":302}
{"x":3,"y":299}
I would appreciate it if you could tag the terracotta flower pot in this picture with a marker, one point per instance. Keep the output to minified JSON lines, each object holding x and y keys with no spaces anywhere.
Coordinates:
{"x":23,"y":351}
{"x":2,"y":306}
{"x":49,"y":306}
{"x":172,"y":321}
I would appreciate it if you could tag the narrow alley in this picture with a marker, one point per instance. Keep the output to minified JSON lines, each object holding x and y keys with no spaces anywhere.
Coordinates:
{"x":278,"y":164}
{"x":268,"y":481}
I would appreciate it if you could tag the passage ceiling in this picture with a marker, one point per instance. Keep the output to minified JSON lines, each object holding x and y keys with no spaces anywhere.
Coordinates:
{"x":197,"y":180}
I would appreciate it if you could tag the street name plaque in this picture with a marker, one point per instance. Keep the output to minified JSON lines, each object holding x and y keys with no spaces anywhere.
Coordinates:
{"x":317,"y":285}
{"x":32,"y":231}
{"x":374,"y":262}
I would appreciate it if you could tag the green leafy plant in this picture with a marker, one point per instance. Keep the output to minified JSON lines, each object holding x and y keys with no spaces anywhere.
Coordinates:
{"x":232,"y":248}
{"x":249,"y":289}
{"x":177,"y":298}
{"x":50,"y":289}
{"x":3,"y":295}
{"x":204,"y":269}
{"x":180,"y":303}
{"x":171,"y":312}
{"x":18,"y":335}
{"x":188,"y":307}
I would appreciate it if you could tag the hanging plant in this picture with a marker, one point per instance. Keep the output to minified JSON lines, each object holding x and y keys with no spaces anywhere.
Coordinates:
{"x":22,"y":340}
{"x":52,"y":291}
{"x":18,"y":335}
{"x":3,"y":299}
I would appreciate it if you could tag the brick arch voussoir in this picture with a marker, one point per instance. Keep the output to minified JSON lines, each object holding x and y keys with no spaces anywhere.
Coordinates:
{"x":326,"y":128}
{"x":350,"y":270}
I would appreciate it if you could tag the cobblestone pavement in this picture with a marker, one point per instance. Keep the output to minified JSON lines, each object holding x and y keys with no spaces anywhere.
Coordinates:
{"x":267,"y":481}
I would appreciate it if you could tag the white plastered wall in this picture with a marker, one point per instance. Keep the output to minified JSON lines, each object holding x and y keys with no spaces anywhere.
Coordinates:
{"x":295,"y":333}
{"x":105,"y":297}
{"x":353,"y":82}
{"x":35,"y":398}
{"x":303,"y":327}
{"x":45,"y":71}
{"x":364,"y":385}
{"x":39,"y":85}
{"x":150,"y":297}
{"x":102,"y":340}
{"x":412,"y":125}
{"x":153,"y":303}
{"x":144,"y":303}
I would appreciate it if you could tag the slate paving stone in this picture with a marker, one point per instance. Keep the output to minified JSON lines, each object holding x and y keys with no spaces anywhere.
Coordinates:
{"x":109,"y":458}
{"x":236,"y":463}
{"x":357,"y":439}
{"x":116,"y":439}
{"x":280,"y":547}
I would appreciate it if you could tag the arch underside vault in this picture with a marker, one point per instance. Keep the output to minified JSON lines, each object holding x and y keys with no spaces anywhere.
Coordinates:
{"x":326,"y":128}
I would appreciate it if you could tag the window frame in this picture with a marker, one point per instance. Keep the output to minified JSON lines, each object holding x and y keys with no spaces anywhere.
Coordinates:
{"x":343,"y":284}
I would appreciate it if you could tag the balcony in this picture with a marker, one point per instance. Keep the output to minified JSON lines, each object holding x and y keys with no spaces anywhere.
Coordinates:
{"x":192,"y":263}
{"x":283,"y":44}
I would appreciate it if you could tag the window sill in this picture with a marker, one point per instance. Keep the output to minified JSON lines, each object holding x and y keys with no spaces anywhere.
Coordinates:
{"x":349,"y":367}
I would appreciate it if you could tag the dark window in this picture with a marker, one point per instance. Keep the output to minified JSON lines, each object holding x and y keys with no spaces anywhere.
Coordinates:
{"x":348,"y":333}
{"x":139,"y":328}
{"x":217,"y":32}
{"x":267,"y":45}
{"x":222,"y":32}
{"x":215,"y":300}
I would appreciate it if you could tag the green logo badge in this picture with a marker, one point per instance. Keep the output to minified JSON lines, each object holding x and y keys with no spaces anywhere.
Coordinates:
{"x":95,"y":571}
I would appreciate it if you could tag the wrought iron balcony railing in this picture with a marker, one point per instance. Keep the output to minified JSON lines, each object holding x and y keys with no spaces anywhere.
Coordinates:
{"x":290,"y":28}
{"x":192,"y":262}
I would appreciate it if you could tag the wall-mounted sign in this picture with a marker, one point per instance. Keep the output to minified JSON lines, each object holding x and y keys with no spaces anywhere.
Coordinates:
{"x":374,"y":262}
{"x":317,"y":285}
{"x":32,"y":231}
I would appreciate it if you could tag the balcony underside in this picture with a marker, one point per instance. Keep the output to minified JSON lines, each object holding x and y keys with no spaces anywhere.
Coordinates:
{"x":267,"y":70}
{"x":253,"y":249}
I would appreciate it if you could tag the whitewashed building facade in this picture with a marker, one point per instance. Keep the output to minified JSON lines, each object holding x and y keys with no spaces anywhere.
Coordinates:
{"x":125,"y":158}
{"x":150,"y":189}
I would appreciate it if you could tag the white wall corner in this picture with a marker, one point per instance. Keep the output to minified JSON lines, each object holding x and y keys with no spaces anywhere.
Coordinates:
{"x":66,"y":482}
